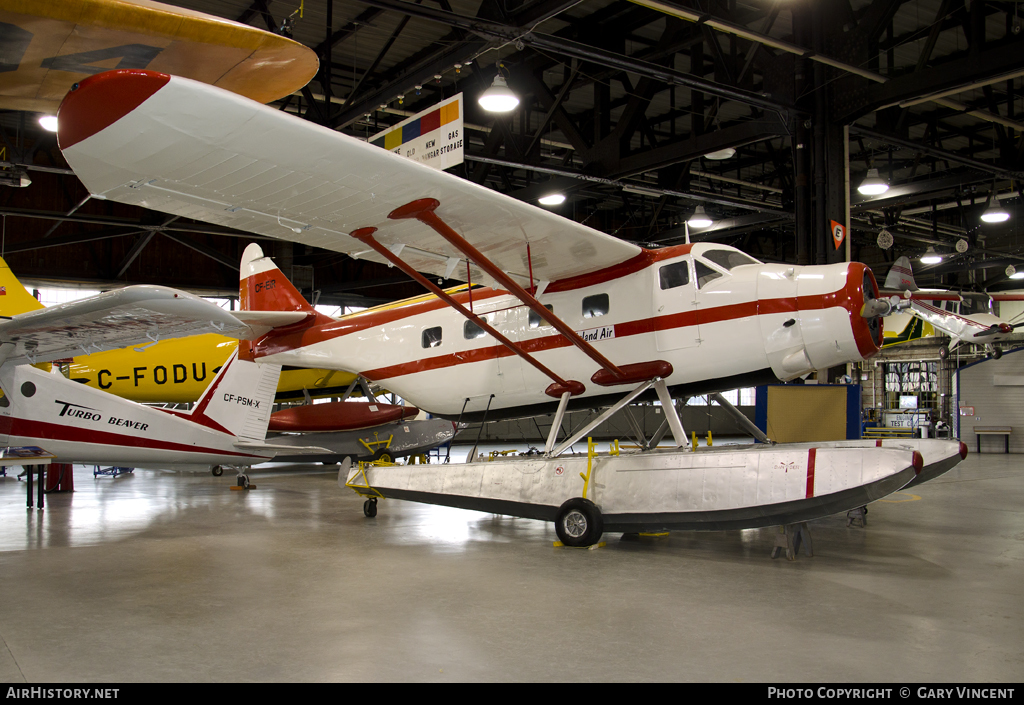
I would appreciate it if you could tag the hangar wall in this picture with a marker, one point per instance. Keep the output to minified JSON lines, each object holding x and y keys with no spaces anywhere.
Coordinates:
{"x":994,"y":389}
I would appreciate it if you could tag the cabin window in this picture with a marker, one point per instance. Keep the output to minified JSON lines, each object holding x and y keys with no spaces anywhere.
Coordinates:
{"x":705,"y":274}
{"x":596,"y":305}
{"x":727,"y":259}
{"x":536,"y":321}
{"x":471,"y":330}
{"x":431,"y":337}
{"x":673,"y":275}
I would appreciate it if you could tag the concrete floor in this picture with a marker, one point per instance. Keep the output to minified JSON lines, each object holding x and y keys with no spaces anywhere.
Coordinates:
{"x":162,"y":576}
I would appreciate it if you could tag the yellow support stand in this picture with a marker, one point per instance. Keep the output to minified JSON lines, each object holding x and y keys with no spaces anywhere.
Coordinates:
{"x":591,"y":452}
{"x":694,"y":440}
{"x":709,"y":439}
{"x":372,"y":445}
{"x":599,"y":544}
{"x":614,"y":447}
{"x":364,"y":490}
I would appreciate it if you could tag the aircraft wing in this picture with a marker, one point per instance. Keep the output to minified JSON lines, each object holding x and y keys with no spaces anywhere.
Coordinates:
{"x":194,"y":150}
{"x":115,"y":319}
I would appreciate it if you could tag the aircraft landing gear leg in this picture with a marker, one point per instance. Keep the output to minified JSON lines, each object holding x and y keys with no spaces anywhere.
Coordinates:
{"x":242,"y":482}
{"x":370,"y":507}
{"x":790,"y":537}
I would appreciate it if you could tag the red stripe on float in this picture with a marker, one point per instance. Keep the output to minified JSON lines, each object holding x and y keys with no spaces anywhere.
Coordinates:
{"x":810,"y":472}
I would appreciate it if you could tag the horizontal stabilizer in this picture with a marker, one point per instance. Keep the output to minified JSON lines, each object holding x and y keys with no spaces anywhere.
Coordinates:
{"x":277,"y":449}
{"x":115,"y":319}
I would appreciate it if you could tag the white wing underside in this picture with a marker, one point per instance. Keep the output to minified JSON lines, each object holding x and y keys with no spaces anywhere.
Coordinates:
{"x":115,"y":319}
{"x":197,"y":151}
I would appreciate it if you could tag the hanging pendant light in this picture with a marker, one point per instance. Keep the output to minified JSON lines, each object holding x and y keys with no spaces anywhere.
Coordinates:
{"x":499,"y":98}
{"x":995,"y":213}
{"x":873,"y":184}
{"x":931,"y":256}
{"x":721,"y":154}
{"x":552,"y":199}
{"x":699,"y":219}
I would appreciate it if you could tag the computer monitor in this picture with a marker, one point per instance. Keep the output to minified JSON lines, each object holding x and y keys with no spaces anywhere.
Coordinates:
{"x":908,"y":402}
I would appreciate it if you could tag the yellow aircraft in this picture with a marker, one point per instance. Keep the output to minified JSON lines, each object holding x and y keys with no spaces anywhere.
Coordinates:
{"x":172,"y":371}
{"x":51,"y":44}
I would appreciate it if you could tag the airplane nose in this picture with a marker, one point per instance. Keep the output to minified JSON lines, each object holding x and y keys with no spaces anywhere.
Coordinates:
{"x":868,"y":326}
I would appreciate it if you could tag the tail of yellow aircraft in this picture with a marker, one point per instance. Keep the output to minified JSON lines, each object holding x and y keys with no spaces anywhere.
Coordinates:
{"x":14,"y":298}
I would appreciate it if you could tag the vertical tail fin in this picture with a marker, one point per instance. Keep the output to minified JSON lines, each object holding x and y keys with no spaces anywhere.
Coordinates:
{"x":901,"y":276}
{"x":14,"y":299}
{"x":264,"y":287}
{"x":239,"y":399}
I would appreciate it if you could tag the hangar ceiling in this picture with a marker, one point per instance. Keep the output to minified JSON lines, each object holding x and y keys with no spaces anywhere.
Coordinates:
{"x":621,"y":104}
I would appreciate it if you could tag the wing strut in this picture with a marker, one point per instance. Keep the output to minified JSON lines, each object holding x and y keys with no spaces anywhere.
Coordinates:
{"x":609,"y":374}
{"x":559,"y":385}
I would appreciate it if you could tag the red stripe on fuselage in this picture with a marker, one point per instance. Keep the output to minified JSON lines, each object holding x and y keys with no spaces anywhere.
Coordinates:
{"x":276,"y":342}
{"x":30,"y":428}
{"x":631,"y":266}
{"x":850,"y":298}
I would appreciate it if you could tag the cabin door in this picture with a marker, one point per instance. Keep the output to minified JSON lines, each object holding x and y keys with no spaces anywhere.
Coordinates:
{"x":675,"y":306}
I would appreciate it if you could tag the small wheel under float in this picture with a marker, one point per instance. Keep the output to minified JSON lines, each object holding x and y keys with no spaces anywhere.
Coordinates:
{"x":370,"y":507}
{"x":579,"y":523}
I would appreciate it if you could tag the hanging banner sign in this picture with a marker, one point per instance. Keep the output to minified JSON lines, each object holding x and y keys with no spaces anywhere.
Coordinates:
{"x":433,"y":137}
{"x":838,"y":233}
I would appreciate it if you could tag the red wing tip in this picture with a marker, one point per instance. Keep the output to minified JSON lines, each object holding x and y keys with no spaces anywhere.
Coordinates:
{"x":963,"y":450}
{"x":99,"y":101}
{"x":918,"y":462}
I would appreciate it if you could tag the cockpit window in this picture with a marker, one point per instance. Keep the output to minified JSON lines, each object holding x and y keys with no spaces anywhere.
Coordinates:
{"x":705,"y":274}
{"x":727,"y":259}
{"x":675,"y":274}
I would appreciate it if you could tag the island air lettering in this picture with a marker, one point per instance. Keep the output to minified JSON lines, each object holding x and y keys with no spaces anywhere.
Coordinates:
{"x":594,"y":334}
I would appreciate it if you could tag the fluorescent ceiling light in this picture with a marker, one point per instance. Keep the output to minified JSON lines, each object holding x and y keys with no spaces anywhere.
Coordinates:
{"x":641,"y":191}
{"x":552,"y":199}
{"x":48,"y":122}
{"x":699,"y":219}
{"x":721,"y":154}
{"x":1017,"y":275}
{"x":995,"y":213}
{"x":873,"y":184}
{"x":499,"y":98}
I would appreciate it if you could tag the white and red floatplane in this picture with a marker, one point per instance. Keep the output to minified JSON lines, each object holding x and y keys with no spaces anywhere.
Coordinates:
{"x":568,"y":317}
